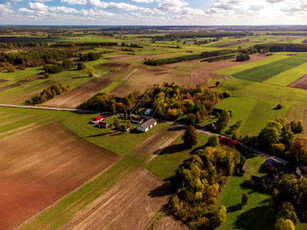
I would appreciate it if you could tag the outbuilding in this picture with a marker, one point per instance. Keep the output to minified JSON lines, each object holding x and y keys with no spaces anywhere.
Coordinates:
{"x":147,"y":125}
{"x":137,"y":120}
{"x":102,"y":124}
{"x":97,"y":120}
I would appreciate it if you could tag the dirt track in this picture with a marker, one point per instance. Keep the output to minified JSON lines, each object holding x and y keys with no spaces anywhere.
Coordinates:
{"x":76,"y":96}
{"x":41,"y":165}
{"x":137,"y":58}
{"x":129,"y":205}
{"x":9,"y":87}
{"x":300,"y":83}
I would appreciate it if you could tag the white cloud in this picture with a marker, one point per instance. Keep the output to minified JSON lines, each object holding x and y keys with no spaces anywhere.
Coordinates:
{"x":74,"y":2}
{"x":5,"y":9}
{"x":171,"y":5}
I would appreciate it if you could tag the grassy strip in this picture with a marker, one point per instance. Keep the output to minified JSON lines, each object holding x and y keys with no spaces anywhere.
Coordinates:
{"x":238,"y":68}
{"x":264,"y":72}
{"x":288,"y":76}
{"x":63,"y":211}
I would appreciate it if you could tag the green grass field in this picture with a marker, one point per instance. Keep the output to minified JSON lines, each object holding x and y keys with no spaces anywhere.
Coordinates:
{"x":242,"y":67}
{"x":264,"y":72}
{"x":255,"y":215}
{"x":288,"y":76}
{"x":166,"y":163}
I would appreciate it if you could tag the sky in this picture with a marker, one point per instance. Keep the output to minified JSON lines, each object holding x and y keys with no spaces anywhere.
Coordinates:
{"x":153,"y":12}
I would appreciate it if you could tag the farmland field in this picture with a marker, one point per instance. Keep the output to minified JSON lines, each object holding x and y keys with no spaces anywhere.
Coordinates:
{"x":264,"y":72}
{"x":54,"y":170}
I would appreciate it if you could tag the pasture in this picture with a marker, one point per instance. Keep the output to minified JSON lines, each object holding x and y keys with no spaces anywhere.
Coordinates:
{"x":264,"y":72}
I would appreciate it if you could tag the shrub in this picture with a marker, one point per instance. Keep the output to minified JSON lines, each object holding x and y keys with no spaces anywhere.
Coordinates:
{"x":90,"y":71}
{"x":244,"y":199}
{"x":279,"y":106}
{"x":213,"y":141}
{"x":46,"y":75}
{"x":190,"y":119}
{"x":81,"y":65}
{"x":67,"y":64}
{"x":242,"y":57}
{"x":190,"y":137}
{"x":10,"y":69}
{"x":56,"y":68}
{"x":93,"y":56}
{"x":226,"y":94}
{"x":297,"y":126}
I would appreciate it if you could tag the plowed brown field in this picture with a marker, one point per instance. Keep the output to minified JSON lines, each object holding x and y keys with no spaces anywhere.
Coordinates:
{"x":41,"y":165}
{"x":300,"y":83}
{"x":129,"y":205}
{"x":76,"y":96}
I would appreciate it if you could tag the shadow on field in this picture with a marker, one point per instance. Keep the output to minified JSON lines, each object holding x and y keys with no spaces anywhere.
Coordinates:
{"x":163,"y":190}
{"x":173,"y":149}
{"x":260,"y":217}
{"x":234,"y":208}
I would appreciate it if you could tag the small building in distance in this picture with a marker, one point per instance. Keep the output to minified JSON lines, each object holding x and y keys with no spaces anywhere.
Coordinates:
{"x":102,"y":124}
{"x":137,"y":120}
{"x":96,"y":120}
{"x":148,"y":112}
{"x":241,"y":171}
{"x":147,"y":125}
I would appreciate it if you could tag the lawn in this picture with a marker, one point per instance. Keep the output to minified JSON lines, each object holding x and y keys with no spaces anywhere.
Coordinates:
{"x":107,"y":138}
{"x":239,"y":68}
{"x":255,"y":215}
{"x":288,"y":76}
{"x":253,"y":113}
{"x":264,"y":72}
{"x":166,"y":163}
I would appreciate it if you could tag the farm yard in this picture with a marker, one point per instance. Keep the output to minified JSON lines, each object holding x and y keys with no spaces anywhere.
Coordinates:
{"x":66,"y":170}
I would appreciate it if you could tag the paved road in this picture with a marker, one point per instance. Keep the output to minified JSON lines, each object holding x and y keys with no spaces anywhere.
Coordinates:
{"x":48,"y":108}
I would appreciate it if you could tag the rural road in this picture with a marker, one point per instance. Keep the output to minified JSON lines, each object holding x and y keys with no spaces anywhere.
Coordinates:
{"x":48,"y":108}
{"x":173,"y":123}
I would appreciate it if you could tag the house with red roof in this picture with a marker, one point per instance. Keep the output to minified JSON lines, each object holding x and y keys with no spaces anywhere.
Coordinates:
{"x":96,"y":120}
{"x":137,"y":120}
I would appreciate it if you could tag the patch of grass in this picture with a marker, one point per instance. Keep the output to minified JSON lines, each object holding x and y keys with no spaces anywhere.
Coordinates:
{"x":264,"y":72}
{"x":298,"y":113}
{"x":166,"y":163}
{"x":288,"y":76}
{"x":256,"y":214}
{"x":253,"y":113}
{"x":239,"y":68}
{"x":115,"y":141}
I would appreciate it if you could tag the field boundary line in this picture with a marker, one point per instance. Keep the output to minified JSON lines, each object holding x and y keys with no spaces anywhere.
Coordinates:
{"x":135,"y":70}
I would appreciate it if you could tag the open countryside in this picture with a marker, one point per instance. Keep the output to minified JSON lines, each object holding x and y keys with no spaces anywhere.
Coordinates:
{"x":163,"y":127}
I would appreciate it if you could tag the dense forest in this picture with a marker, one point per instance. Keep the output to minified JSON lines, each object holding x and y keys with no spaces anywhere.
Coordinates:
{"x":282,"y":47}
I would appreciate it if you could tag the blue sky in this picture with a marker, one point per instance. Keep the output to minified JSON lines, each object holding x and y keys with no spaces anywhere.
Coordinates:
{"x":153,"y":12}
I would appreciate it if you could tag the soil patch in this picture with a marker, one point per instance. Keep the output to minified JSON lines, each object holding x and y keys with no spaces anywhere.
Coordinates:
{"x":41,"y":165}
{"x":129,"y":205}
{"x":9,"y":87}
{"x":3,"y":80}
{"x":305,"y":41}
{"x":115,"y":65}
{"x":300,"y":83}
{"x":76,"y":96}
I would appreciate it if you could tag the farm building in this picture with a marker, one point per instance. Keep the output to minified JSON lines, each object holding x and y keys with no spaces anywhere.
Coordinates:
{"x":241,"y":171}
{"x":147,"y":112}
{"x":97,"y":120}
{"x":137,"y":120}
{"x":102,"y":124}
{"x":147,"y":125}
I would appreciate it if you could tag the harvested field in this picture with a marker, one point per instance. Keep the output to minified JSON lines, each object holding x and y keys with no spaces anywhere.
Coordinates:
{"x":9,"y":87}
{"x":228,"y":44}
{"x":3,"y":80}
{"x":170,"y":223}
{"x":24,"y":97}
{"x":146,"y":76}
{"x":300,"y":83}
{"x":115,"y":65}
{"x":19,"y":118}
{"x":76,"y":96}
{"x":41,"y":165}
{"x":129,"y":205}
{"x":305,"y":41}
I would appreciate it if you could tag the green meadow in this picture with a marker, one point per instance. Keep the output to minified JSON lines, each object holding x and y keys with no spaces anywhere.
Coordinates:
{"x":264,"y":72}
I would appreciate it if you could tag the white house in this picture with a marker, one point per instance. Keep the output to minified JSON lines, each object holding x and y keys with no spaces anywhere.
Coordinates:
{"x":147,"y":125}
